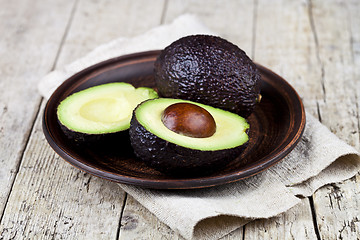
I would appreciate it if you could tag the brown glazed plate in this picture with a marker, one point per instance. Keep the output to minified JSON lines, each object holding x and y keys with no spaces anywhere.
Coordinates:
{"x":276,"y":126}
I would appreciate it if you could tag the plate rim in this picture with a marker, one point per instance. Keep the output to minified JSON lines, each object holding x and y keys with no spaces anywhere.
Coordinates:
{"x":187,"y":183}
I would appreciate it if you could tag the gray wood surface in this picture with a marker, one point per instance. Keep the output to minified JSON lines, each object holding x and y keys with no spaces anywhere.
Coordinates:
{"x":314,"y":44}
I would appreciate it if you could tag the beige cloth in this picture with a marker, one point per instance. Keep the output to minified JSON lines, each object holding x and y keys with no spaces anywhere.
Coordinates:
{"x":319,"y":158}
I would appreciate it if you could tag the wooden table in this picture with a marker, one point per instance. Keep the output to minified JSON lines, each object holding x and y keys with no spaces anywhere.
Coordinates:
{"x":314,"y":44}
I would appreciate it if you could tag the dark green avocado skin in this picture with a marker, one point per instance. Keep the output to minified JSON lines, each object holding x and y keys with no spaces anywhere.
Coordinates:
{"x":114,"y":140}
{"x":175,"y":160}
{"x":209,"y":70}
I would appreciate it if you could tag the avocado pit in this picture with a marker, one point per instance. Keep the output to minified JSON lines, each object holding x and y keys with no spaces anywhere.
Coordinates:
{"x":189,"y":120}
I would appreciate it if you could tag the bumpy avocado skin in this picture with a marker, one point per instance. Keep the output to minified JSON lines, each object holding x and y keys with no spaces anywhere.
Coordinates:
{"x":210,"y":70}
{"x":117,"y":143}
{"x":175,"y":160}
{"x":85,"y":138}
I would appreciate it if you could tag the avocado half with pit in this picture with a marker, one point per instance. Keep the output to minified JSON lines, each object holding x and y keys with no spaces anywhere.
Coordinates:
{"x":209,"y":70}
{"x":101,"y":112}
{"x":175,"y":151}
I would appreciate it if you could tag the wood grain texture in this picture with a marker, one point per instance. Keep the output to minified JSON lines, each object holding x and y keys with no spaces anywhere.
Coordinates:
{"x":284,"y":42}
{"x":333,"y":31}
{"x":337,"y":210}
{"x":336,"y":28}
{"x":294,"y":224}
{"x":52,"y":200}
{"x":29,"y":43}
{"x":99,"y":22}
{"x":233,"y":20}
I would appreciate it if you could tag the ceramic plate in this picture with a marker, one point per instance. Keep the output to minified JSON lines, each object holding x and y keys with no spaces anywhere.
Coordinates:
{"x":276,"y":127}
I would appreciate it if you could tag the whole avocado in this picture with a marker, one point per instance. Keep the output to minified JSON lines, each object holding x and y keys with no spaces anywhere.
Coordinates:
{"x":209,"y":70}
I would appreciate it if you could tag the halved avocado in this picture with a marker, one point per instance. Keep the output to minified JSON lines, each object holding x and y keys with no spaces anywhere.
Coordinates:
{"x":101,"y":112}
{"x":178,"y":154}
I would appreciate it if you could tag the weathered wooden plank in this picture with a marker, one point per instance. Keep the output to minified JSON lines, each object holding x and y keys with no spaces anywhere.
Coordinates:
{"x":99,"y":22}
{"x":30,"y":39}
{"x":284,"y":43}
{"x":336,"y":26}
{"x":337,"y":210}
{"x":294,"y":224}
{"x":232,"y":20}
{"x":50,"y":198}
{"x":334,"y":35}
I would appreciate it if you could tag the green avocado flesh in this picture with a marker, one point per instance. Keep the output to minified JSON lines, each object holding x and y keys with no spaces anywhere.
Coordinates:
{"x":230,"y":127}
{"x":102,"y":109}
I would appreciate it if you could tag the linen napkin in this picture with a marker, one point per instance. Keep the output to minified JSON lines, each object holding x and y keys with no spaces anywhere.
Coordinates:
{"x":318,"y":159}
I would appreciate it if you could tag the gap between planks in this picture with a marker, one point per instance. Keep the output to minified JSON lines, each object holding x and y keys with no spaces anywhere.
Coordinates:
{"x":38,"y":106}
{"x":67,"y":29}
{"x":118,"y":231}
{"x":27,"y":138}
{"x":316,"y":40}
{"x":307,"y":7}
{"x":121,"y":216}
{"x":313,"y":213}
{"x":313,"y":30}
